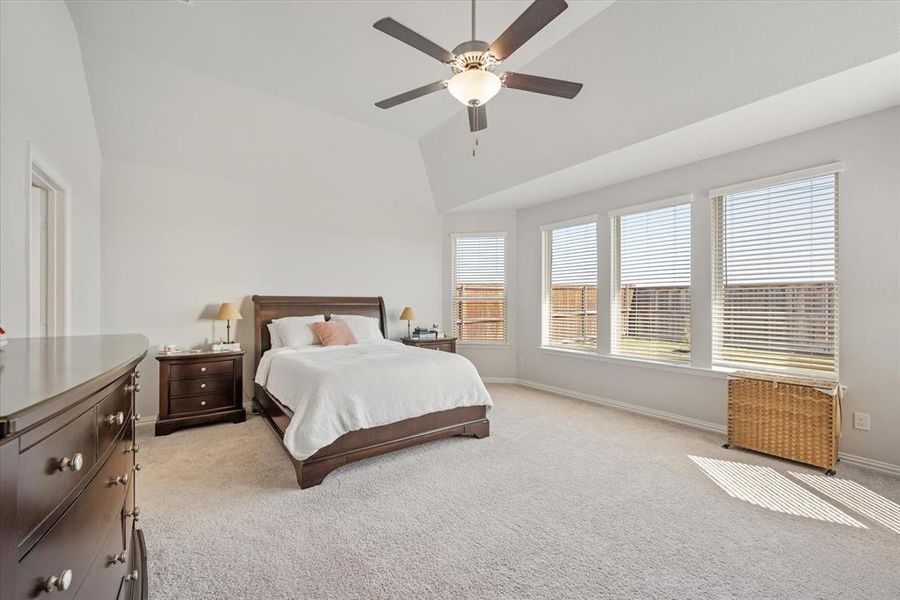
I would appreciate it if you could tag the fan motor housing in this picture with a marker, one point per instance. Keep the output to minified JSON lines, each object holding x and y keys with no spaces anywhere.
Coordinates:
{"x":474,"y":54}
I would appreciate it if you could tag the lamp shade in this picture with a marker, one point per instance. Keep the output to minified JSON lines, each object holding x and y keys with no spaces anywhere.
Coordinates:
{"x":407,"y":314}
{"x":474,"y":87}
{"x":228,"y":312}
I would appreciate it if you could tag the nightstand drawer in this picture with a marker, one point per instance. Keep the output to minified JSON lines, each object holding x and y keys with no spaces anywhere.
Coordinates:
{"x":443,"y":346}
{"x":201,"y":369}
{"x":194,"y":404}
{"x":203,"y":385}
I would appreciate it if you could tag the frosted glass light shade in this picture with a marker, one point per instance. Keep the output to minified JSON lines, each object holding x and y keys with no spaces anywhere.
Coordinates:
{"x":474,"y":87}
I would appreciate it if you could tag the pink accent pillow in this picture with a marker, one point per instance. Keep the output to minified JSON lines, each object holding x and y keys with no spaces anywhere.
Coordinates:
{"x":334,"y":333}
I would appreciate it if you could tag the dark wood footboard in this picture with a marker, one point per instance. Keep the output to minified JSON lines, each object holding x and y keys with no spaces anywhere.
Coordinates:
{"x":365,"y":443}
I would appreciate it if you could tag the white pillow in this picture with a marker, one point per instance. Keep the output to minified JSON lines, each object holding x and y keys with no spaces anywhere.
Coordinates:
{"x":297,"y":331}
{"x":363,"y":328}
{"x":274,"y":338}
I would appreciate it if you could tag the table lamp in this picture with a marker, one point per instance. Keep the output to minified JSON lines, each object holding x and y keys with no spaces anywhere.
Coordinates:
{"x":227,"y":312}
{"x":407,"y":315}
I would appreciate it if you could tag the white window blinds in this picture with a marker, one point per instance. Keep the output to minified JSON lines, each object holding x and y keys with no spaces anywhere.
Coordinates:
{"x":479,"y":288}
{"x":652,"y":283}
{"x":774,"y":276}
{"x":570,"y":286}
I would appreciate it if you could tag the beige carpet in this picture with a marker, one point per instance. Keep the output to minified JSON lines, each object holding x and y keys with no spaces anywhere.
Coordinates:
{"x":564,"y":500}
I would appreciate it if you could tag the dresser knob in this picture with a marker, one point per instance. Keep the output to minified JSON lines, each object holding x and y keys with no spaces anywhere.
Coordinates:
{"x":60,"y":582}
{"x":136,"y":418}
{"x":137,"y":374}
{"x":123,"y":479}
{"x":133,"y":576}
{"x":202,"y":385}
{"x":71,"y":464}
{"x":203,"y":369}
{"x":203,"y":403}
{"x":133,"y":448}
{"x":117,"y":558}
{"x":133,"y":387}
{"x":135,"y":513}
{"x":137,"y":466}
{"x":116,"y":419}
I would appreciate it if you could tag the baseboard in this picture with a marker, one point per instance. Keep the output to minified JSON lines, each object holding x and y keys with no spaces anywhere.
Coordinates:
{"x":635,"y":408}
{"x":850,"y":459}
{"x":868,"y":463}
{"x":511,"y":380}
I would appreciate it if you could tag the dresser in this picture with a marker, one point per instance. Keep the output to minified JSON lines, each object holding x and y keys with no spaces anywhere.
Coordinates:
{"x":199,"y":388}
{"x":68,"y":512}
{"x":447,"y":344}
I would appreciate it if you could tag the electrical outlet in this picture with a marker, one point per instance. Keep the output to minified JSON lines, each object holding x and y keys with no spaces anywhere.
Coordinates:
{"x":861,"y":421}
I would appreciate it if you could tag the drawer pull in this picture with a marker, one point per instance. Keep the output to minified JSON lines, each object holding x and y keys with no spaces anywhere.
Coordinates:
{"x":134,"y":513}
{"x":123,"y":479}
{"x":114,"y":420}
{"x":202,"y":385}
{"x":133,"y":388}
{"x":203,"y":369}
{"x":71,"y":464}
{"x":133,"y":449}
{"x":60,"y":582}
{"x":133,"y":576}
{"x":136,"y":418}
{"x":137,"y":466}
{"x":137,"y":374}
{"x":203,"y":403}
{"x":117,"y":558}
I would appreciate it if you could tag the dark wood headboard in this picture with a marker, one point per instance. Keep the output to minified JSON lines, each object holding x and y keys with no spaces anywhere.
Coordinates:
{"x":267,"y":308}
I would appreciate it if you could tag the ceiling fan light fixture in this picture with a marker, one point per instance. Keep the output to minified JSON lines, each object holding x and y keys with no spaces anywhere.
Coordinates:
{"x":474,"y":87}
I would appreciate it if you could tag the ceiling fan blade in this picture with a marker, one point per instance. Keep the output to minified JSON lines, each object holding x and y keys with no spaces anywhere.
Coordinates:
{"x":411,"y":95}
{"x":477,"y":118}
{"x":535,"y":18}
{"x":408,"y":36}
{"x":541,"y":85}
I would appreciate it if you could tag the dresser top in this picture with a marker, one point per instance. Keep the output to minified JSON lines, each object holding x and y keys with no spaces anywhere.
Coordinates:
{"x":35,"y":370}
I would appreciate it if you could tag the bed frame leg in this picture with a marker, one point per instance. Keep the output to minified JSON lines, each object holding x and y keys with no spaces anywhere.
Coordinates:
{"x":479,"y":430}
{"x":311,"y":475}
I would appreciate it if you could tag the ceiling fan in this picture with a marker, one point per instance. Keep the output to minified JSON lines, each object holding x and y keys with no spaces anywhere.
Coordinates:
{"x":473,"y":63}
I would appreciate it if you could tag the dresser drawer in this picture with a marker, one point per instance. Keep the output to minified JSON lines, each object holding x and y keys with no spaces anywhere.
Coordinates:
{"x":75,"y":539}
{"x":113,"y":414}
{"x":42,"y":484}
{"x":194,"y":404}
{"x":202,"y":385}
{"x":201,"y":369}
{"x":106,"y":574}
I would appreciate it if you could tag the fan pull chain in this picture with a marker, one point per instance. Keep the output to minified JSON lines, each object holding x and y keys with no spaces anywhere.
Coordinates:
{"x":474,"y":146}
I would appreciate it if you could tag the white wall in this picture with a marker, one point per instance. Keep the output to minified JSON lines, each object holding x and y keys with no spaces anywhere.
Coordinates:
{"x":44,"y":100}
{"x":498,"y":361}
{"x":869,"y":278}
{"x":214,"y":192}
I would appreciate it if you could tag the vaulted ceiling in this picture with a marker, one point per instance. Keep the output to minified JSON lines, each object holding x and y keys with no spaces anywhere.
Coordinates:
{"x":664,"y":82}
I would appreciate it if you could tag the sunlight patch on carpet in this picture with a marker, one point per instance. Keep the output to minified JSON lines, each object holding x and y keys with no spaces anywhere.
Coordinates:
{"x":765,"y":487}
{"x":856,"y":497}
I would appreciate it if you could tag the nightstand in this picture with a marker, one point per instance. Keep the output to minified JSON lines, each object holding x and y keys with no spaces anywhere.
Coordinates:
{"x":195,"y":389}
{"x":447,"y":344}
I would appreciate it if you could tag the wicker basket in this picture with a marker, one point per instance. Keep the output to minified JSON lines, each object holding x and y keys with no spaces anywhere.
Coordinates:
{"x":797,"y":419}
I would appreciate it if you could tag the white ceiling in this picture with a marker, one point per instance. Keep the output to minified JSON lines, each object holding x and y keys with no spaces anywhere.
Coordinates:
{"x":323,"y":54}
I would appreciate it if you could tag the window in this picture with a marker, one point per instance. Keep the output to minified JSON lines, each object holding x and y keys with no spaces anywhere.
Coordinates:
{"x":652,"y":281}
{"x":774,"y":269}
{"x":479,"y":287}
{"x":570,"y":285}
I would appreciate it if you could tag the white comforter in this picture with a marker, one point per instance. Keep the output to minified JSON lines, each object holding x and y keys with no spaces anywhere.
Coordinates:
{"x":338,"y":389}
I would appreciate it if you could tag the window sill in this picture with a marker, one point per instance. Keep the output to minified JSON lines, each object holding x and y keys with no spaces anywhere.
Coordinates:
{"x":714,"y":372}
{"x":498,"y":345}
